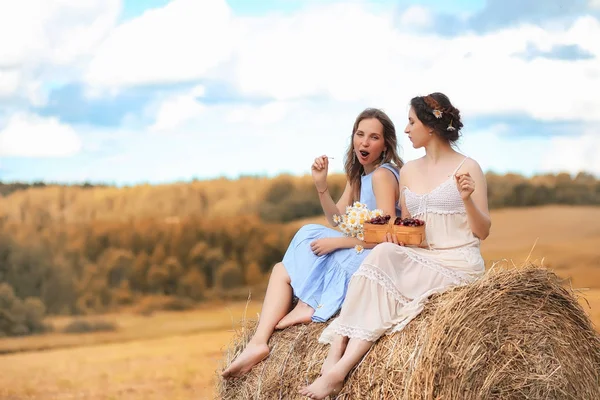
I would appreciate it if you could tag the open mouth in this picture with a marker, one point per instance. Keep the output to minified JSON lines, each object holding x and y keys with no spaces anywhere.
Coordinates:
{"x":363,"y":153}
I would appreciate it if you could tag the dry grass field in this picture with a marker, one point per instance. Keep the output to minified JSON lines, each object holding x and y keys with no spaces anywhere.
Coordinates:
{"x":170,"y":355}
{"x":175,"y":355}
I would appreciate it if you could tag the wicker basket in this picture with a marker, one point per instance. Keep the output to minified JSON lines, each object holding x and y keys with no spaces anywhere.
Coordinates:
{"x":409,"y":235}
{"x":376,"y":233}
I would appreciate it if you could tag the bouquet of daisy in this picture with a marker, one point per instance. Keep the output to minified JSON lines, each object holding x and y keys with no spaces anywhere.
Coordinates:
{"x":351,"y":223}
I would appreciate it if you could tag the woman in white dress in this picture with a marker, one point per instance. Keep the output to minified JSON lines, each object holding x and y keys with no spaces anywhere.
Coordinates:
{"x":449,"y":192}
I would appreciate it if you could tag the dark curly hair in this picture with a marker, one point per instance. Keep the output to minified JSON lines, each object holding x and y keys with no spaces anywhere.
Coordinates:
{"x":447,"y":126}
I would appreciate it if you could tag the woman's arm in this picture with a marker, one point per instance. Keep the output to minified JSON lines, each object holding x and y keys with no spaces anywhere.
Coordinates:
{"x":473,"y":190}
{"x":319,"y":171}
{"x":324,"y":246}
{"x":385,"y":188}
{"x":330,"y":208}
{"x":403,"y":210}
{"x":402,"y":202}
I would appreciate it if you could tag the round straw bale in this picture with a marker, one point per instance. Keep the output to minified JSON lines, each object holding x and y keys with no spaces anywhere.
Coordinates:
{"x":516,"y":333}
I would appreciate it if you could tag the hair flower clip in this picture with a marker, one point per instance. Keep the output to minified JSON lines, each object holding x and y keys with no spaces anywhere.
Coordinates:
{"x":450,"y":127}
{"x":437,"y":113}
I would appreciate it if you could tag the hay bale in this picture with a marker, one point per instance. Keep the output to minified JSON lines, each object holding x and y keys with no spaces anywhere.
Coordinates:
{"x":514,"y":334}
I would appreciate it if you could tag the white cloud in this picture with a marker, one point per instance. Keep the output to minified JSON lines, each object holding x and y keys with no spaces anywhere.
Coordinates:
{"x":179,"y":42}
{"x":267,"y":114}
{"x":226,"y":141}
{"x":178,"y":110}
{"x":339,"y":51}
{"x":9,"y":82}
{"x":574,"y":153}
{"x":347,"y":52}
{"x":416,"y":17}
{"x":45,"y":39}
{"x":313,"y":71}
{"x":28,"y":135}
{"x":218,"y":144}
{"x":214,"y":143}
{"x":184,"y":112}
{"x":353,"y":52}
{"x":495,"y":149}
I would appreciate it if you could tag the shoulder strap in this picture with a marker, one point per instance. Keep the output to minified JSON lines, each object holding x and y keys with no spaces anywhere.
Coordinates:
{"x":460,"y":165}
{"x":392,"y":168}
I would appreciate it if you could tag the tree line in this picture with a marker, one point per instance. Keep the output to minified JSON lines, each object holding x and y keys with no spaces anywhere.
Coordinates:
{"x":80,"y":250}
{"x":102,"y":266}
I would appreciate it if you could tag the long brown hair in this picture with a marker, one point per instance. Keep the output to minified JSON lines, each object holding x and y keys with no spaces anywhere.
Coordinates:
{"x":354,"y":169}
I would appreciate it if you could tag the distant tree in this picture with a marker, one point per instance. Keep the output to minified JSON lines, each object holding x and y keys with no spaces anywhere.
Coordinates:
{"x":193,"y":285}
{"x":17,"y":316}
{"x":253,"y":274}
{"x":139,"y":275}
{"x":158,"y":276}
{"x":230,"y":276}
{"x":118,"y":264}
{"x":159,"y":255}
{"x":174,"y":272}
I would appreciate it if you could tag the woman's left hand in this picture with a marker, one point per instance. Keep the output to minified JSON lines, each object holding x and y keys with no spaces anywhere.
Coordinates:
{"x":465,"y":185}
{"x":323,"y":246}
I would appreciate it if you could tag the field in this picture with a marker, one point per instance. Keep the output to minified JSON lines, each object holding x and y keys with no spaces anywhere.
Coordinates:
{"x":170,"y":355}
{"x":175,"y":355}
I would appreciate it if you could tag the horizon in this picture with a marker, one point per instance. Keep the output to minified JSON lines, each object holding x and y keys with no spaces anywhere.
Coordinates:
{"x":250,"y":176}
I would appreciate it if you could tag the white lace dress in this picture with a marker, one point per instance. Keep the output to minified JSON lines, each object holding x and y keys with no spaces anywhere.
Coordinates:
{"x":392,"y":284}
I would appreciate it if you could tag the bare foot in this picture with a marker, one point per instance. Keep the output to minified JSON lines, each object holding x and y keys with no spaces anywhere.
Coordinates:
{"x":252,"y":355}
{"x":301,"y":314}
{"x":328,"y":384}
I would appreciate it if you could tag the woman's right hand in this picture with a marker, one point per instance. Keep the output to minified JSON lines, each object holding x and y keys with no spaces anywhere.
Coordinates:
{"x":393,"y":239}
{"x":319,"y":170}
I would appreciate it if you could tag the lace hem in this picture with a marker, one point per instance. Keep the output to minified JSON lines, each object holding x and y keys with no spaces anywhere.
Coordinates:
{"x":448,"y":273}
{"x":376,"y":275}
{"x":356,"y":333}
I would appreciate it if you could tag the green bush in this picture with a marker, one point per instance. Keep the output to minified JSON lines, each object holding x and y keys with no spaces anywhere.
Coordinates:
{"x":150,"y":304}
{"x":20,"y":317}
{"x":84,"y":326}
{"x":230,"y":276}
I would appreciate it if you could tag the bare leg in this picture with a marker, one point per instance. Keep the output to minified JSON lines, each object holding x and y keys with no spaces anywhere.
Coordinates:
{"x":301,"y":314}
{"x":336,"y":351}
{"x":333,"y":381}
{"x":278,"y":300}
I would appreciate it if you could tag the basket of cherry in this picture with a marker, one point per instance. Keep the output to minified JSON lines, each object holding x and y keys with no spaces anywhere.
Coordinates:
{"x":376,"y":229}
{"x":410,"y":231}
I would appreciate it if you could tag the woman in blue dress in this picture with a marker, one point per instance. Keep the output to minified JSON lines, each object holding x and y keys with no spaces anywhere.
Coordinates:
{"x":319,"y":261}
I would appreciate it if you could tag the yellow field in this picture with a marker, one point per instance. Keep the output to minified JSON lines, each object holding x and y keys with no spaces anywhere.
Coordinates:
{"x":158,"y":357}
{"x":174,"y":355}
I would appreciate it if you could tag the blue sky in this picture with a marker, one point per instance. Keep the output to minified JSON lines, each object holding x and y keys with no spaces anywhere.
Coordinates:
{"x":157,"y":91}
